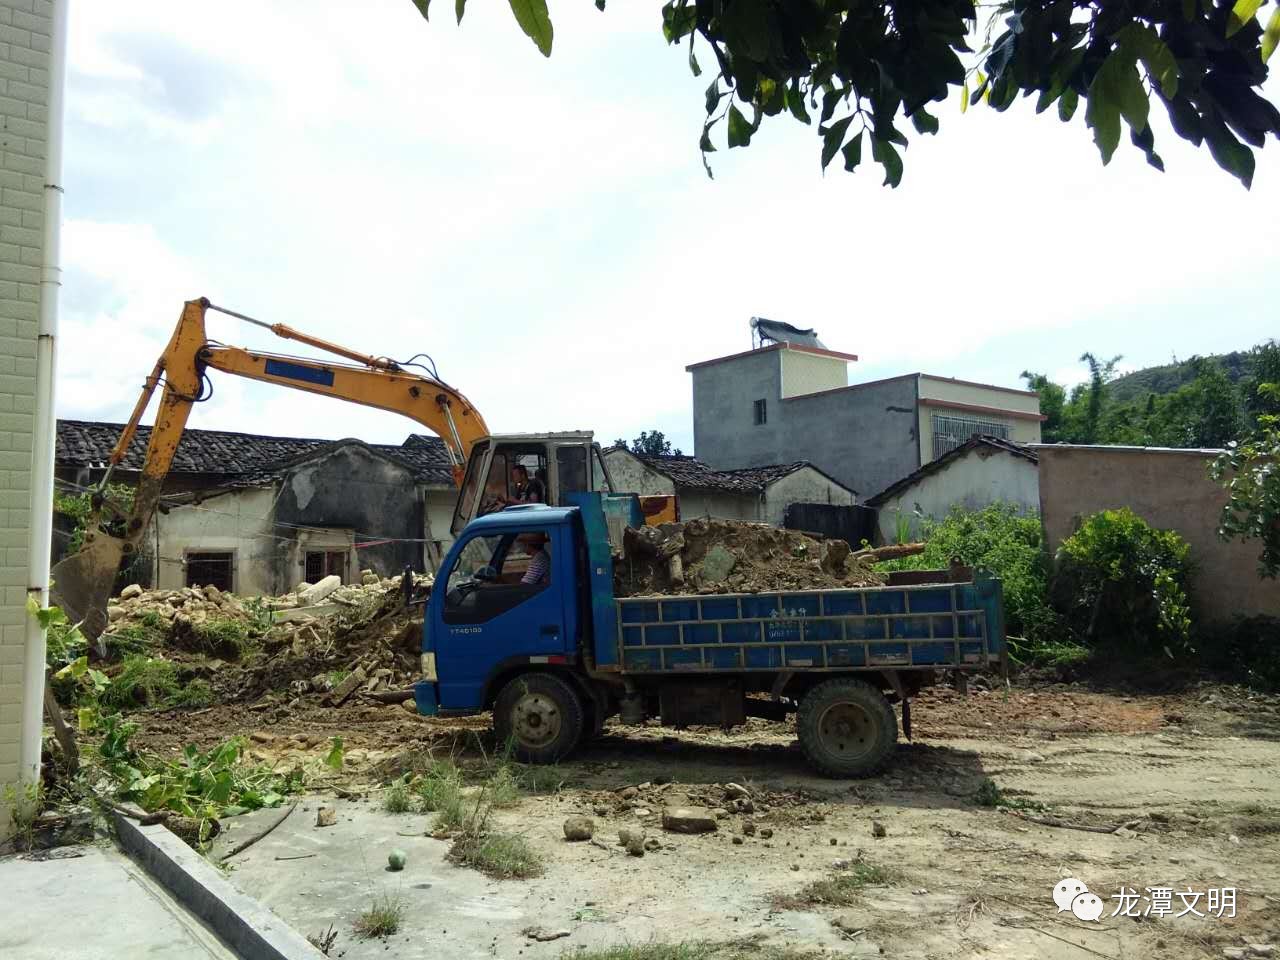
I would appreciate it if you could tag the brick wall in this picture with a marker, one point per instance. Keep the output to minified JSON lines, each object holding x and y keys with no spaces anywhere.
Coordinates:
{"x":25,"y":28}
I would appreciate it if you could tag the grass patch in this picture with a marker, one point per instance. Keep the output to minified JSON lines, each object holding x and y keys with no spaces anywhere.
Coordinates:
{"x":132,"y":639}
{"x":142,"y":681}
{"x":1054,"y":654}
{"x":989,"y":794}
{"x":440,"y":791}
{"x":398,"y":797}
{"x":839,"y":890}
{"x":224,"y":638}
{"x":504,"y":789}
{"x":504,"y":856}
{"x":195,"y":694}
{"x":381,"y":919}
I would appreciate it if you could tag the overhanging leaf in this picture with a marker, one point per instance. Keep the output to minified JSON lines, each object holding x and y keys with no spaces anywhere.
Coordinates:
{"x":422,"y":6}
{"x":882,"y":152}
{"x":459,"y":7}
{"x":853,"y":152}
{"x":1229,"y":153}
{"x":1161,"y":65}
{"x":1242,"y":13}
{"x":924,"y":121}
{"x":535,"y":22}
{"x":964,"y":98}
{"x":832,"y":137}
{"x":1271,"y":35}
{"x":713,"y":96}
{"x":693,"y":61}
{"x":739,"y":129}
{"x":704,"y":142}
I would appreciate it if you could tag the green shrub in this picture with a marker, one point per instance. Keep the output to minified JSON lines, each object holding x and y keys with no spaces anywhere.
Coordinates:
{"x":223,"y":638}
{"x":1248,"y":647}
{"x":1000,"y":538}
{"x":1118,"y":580}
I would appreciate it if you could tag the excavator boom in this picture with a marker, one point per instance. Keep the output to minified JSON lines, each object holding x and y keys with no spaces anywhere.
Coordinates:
{"x":83,"y":581}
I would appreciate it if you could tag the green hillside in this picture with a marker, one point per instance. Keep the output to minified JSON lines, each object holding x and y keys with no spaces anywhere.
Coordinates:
{"x":1168,"y":377}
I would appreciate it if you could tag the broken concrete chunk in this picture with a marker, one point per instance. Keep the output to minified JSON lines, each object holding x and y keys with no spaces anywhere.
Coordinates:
{"x":326,"y":816}
{"x":717,"y":564}
{"x":212,"y":593}
{"x":543,"y":935}
{"x":409,"y":707}
{"x":579,"y":828}
{"x":735,"y":791}
{"x":688,"y":820}
{"x":314,"y":594}
{"x":347,"y":687}
{"x":877,"y":829}
{"x":635,"y":846}
{"x":131,"y":591}
{"x":114,"y":613}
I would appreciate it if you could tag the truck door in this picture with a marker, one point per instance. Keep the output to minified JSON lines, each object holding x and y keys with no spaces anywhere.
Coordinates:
{"x":503,"y":603}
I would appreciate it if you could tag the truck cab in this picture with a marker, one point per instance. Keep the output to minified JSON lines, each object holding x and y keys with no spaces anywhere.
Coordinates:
{"x":563,"y":463}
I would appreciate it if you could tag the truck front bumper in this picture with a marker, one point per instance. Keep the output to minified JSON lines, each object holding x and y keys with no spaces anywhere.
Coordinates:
{"x":425,"y":698}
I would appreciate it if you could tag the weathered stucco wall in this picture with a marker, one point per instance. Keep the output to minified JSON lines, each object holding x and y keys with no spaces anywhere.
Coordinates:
{"x":725,"y":435}
{"x":238,"y":522}
{"x":726,"y":506}
{"x":351,"y":488}
{"x":805,"y":485}
{"x":1004,"y":404}
{"x":810,"y":373}
{"x":630,"y":475}
{"x":1168,"y":489}
{"x":973,"y":482}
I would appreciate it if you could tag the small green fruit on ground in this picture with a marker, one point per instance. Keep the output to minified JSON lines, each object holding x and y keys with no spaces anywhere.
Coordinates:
{"x":396,"y":859}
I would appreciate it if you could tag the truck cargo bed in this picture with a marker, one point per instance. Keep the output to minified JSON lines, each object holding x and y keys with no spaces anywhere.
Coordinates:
{"x":920,"y":626}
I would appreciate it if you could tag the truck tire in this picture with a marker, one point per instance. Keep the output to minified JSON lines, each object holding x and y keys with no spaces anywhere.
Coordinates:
{"x":541,"y":715}
{"x":847,"y":728}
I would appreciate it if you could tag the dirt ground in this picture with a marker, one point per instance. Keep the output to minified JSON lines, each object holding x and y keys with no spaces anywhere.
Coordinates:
{"x":1189,"y":780}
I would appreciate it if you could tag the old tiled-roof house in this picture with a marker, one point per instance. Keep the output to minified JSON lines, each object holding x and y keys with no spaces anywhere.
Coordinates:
{"x":754,"y":493}
{"x":258,"y":514}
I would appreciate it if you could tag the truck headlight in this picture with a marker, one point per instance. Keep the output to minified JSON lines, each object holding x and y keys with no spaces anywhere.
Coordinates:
{"x":429,"y":666}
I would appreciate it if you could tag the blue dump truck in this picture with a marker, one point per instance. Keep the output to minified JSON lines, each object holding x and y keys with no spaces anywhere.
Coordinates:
{"x":523,"y":621}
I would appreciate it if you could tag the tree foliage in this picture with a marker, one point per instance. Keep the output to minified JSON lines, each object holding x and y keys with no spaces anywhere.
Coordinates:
{"x":650,"y":443}
{"x":1250,"y":470}
{"x":868,"y":66}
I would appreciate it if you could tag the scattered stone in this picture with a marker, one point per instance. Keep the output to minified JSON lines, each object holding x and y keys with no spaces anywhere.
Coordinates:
{"x":261,"y":736}
{"x":1234,"y":953}
{"x":735,"y":791}
{"x":720,"y":813}
{"x":579,"y":828}
{"x":652,"y":843}
{"x":738,"y":841}
{"x":626,"y":835}
{"x":543,"y":935}
{"x":717,"y":564}
{"x":745,"y":805}
{"x":114,"y":613}
{"x":212,"y":593}
{"x":131,"y":591}
{"x":1232,"y":838}
{"x":347,"y":687}
{"x":1262,"y":949}
{"x":920,"y":892}
{"x":795,"y":868}
{"x":317,"y":592}
{"x":766,"y":833}
{"x":877,"y":829}
{"x":635,"y":846}
{"x":408,"y":706}
{"x":688,"y":820}
{"x":748,"y":828}
{"x":326,"y":816}
{"x":628,"y":793}
{"x":600,"y":810}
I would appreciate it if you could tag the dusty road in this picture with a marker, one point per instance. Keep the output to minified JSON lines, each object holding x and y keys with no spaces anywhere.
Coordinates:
{"x":1191,"y":780}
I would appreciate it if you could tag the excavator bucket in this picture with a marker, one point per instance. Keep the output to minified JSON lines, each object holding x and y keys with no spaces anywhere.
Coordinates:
{"x":83,"y":582}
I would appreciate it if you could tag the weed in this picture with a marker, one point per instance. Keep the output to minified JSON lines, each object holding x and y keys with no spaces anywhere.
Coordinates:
{"x":337,"y":676}
{"x":440,"y":790}
{"x":398,"y":798}
{"x":24,"y":808}
{"x":533,"y":778}
{"x":839,"y":890}
{"x":989,"y":794}
{"x":504,"y":790}
{"x":225,"y":638}
{"x":590,"y":915}
{"x":142,"y":680}
{"x":382,"y":919}
{"x":261,"y":616}
{"x":500,"y":855}
{"x":323,"y":941}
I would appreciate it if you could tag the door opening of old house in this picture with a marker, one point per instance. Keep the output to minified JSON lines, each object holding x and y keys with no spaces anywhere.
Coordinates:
{"x":324,"y":563}
{"x":205,"y":569}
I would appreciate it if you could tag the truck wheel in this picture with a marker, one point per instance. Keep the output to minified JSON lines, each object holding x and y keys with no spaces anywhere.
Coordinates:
{"x":541,"y":715}
{"x":847,"y":728}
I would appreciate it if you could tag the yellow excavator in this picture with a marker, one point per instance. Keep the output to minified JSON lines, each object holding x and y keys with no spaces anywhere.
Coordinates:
{"x":564,"y":462}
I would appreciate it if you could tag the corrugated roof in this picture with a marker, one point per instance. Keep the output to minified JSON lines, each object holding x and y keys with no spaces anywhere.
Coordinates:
{"x":942,"y":462}
{"x":226,"y":456}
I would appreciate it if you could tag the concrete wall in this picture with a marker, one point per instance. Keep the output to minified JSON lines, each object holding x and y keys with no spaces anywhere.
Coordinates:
{"x":631,"y":475}
{"x":725,"y":506}
{"x":238,"y":522}
{"x":25,"y":28}
{"x":973,"y":481}
{"x":811,"y":373}
{"x":724,"y":433}
{"x":956,"y":397}
{"x":1168,"y":489}
{"x":440,"y":504}
{"x":805,"y":485}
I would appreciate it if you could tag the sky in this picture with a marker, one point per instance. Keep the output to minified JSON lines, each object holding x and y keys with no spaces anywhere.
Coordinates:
{"x":544,"y":229}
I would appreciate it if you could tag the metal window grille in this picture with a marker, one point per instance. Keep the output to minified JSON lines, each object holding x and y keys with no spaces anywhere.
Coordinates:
{"x":760,"y":413}
{"x":950,"y":432}
{"x":209,"y":568}
{"x":323,"y":563}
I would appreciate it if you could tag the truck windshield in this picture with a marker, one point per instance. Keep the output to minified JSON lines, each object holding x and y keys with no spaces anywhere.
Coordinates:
{"x":478,"y":553}
{"x":467,"y":495}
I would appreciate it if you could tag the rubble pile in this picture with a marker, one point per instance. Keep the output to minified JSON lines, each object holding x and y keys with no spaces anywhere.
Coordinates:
{"x":327,"y":638}
{"x":733,"y":556}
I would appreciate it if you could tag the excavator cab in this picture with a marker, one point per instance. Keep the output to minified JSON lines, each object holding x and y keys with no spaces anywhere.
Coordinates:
{"x":565,"y":462}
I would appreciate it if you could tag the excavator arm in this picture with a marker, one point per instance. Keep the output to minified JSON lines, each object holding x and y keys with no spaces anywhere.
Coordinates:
{"x":83,"y":581}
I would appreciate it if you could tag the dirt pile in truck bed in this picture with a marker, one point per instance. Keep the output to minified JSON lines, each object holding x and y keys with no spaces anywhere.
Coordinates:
{"x":733,"y":556}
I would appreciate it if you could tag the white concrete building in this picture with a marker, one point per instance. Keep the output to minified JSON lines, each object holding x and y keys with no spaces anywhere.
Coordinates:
{"x":979,"y":472}
{"x":756,"y":493}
